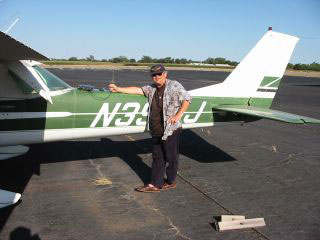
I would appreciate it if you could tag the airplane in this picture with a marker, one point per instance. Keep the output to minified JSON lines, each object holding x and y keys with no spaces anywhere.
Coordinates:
{"x":36,"y":106}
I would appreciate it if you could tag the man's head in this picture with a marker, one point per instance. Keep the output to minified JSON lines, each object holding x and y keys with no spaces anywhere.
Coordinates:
{"x":158,"y":74}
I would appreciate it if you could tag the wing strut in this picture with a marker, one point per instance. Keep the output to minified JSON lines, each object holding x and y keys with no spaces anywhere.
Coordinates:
{"x":8,"y":198}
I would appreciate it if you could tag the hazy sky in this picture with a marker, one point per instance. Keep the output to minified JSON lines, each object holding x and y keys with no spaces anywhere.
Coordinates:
{"x":195,"y":29}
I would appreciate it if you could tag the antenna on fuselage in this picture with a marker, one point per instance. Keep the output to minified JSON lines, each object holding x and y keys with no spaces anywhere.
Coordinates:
{"x":112,"y":80}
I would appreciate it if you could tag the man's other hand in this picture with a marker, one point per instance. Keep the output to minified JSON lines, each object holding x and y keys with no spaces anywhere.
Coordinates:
{"x":113,"y":87}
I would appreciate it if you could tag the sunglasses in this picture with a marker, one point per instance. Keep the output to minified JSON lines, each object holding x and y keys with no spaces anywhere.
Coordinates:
{"x":156,"y":74}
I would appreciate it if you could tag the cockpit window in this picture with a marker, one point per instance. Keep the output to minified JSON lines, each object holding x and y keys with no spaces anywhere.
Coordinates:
{"x":53,"y":82}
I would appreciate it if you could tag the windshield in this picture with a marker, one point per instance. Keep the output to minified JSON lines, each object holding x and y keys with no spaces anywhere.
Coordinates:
{"x":53,"y":82}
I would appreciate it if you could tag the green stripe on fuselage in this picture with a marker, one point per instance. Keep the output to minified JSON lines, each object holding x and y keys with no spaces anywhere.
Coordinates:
{"x":115,"y":109}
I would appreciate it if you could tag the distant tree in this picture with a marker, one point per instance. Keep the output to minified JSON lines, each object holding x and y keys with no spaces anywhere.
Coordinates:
{"x":315,"y":66}
{"x":90,"y":58}
{"x":183,"y":61}
{"x":168,"y":60}
{"x":299,"y":66}
{"x":233,"y":63}
{"x":132,"y":60}
{"x":146,"y":59}
{"x":124,"y":59}
{"x":115,"y":60}
{"x":290,"y":66}
{"x":209,"y":61}
{"x":73,"y":59}
{"x":220,"y":60}
{"x":119,"y":59}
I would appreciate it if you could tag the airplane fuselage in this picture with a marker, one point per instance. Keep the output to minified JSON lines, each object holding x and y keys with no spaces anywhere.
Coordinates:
{"x":82,"y":114}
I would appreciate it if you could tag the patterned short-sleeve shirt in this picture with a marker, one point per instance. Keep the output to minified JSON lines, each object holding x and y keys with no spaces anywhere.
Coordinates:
{"x":173,"y":97}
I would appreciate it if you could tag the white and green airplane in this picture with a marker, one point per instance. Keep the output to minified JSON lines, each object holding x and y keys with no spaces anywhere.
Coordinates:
{"x":37,"y":107}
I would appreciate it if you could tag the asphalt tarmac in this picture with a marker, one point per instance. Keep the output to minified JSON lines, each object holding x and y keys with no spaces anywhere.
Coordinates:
{"x":263,"y":169}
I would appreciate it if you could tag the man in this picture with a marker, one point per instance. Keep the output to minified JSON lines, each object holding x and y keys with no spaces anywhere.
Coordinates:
{"x":168,"y":100}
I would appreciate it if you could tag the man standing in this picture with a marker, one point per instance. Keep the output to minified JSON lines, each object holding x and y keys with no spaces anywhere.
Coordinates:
{"x":168,"y":100}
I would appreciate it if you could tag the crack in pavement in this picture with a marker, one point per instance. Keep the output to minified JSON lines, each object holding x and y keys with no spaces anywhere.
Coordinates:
{"x":284,"y":162}
{"x":171,"y":224}
{"x":97,"y":167}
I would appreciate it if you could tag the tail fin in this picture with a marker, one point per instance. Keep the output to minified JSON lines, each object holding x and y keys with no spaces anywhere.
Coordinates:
{"x":257,"y":77}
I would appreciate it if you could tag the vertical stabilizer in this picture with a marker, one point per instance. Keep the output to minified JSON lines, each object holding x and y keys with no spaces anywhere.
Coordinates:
{"x":258,"y":75}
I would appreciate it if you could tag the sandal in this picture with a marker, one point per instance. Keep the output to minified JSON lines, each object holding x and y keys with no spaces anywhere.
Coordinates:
{"x":148,"y":188}
{"x":167,"y":186}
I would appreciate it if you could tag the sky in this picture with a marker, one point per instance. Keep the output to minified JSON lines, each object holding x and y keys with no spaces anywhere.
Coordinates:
{"x":192,"y":29}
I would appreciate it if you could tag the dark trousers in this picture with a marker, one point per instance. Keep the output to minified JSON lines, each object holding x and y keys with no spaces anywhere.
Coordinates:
{"x":165,"y":156}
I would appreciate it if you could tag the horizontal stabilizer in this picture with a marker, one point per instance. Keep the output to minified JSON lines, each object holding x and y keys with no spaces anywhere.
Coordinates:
{"x":12,"y":49}
{"x":268,"y":114}
{"x":8,"y":198}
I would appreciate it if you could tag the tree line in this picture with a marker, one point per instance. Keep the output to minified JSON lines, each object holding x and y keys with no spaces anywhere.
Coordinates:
{"x":148,"y":59}
{"x":169,"y":60}
{"x":311,"y":67}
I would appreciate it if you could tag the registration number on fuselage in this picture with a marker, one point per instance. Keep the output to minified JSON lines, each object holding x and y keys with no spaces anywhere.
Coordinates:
{"x":129,"y":114}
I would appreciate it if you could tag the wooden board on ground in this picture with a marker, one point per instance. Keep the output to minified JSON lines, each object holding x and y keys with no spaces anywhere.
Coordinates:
{"x":241,"y":224}
{"x":225,"y":218}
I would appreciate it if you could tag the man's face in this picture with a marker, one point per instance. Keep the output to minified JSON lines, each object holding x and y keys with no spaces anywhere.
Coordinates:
{"x":159,"y":78}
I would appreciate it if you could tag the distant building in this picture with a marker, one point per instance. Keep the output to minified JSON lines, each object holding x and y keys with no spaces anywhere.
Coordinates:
{"x":208,"y":64}
{"x":201,"y":64}
{"x":222,"y":65}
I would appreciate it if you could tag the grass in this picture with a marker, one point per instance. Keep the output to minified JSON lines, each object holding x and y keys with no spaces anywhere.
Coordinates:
{"x":54,"y":62}
{"x":175,"y":65}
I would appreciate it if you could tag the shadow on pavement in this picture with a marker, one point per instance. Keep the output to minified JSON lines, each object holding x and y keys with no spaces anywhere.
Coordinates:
{"x":22,"y":233}
{"x":15,"y":173}
{"x":195,"y":147}
{"x":308,"y":85}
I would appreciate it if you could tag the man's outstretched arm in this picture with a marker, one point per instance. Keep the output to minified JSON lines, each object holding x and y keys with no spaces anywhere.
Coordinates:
{"x":128,"y":90}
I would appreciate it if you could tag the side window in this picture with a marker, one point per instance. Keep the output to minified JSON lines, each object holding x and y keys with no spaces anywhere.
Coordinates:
{"x":24,"y":87}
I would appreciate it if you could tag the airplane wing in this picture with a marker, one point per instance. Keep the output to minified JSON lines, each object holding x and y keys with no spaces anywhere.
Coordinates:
{"x":268,"y":114}
{"x":15,"y":55}
{"x":12,"y":49}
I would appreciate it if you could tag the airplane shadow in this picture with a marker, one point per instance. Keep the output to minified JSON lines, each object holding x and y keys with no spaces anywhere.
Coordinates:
{"x":195,"y":147}
{"x":17,"y":172}
{"x":308,"y":85}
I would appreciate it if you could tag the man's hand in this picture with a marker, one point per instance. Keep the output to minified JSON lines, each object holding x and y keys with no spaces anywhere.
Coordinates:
{"x":174,"y":119}
{"x":113,"y":87}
